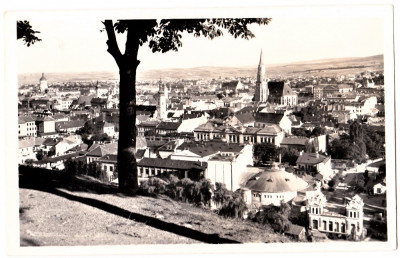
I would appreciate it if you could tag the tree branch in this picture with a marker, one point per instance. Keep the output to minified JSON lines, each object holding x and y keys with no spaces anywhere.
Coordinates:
{"x":113,"y":48}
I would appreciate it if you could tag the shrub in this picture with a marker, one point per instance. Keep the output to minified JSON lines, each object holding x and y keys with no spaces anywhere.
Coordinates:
{"x":153,"y":187}
{"x":276,"y":217}
{"x":233,"y":205}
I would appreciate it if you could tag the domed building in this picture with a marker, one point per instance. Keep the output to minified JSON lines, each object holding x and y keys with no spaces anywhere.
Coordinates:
{"x":271,"y":186}
{"x":42,"y":84}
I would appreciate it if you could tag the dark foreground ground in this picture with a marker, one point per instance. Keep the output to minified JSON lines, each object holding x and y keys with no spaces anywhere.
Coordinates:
{"x":59,"y":211}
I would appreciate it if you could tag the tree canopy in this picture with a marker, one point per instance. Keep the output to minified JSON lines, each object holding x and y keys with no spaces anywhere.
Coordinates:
{"x":26,"y":33}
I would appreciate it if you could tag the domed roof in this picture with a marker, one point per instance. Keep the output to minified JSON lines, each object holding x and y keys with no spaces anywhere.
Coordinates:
{"x":43,"y":78}
{"x":275,"y":180}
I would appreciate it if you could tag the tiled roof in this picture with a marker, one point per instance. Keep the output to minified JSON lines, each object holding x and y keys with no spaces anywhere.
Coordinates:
{"x":294,"y":230}
{"x":212,"y":147}
{"x":71,"y":124}
{"x":207,"y":127}
{"x":140,"y":153}
{"x":245,"y":118}
{"x":51,"y":141}
{"x":25,"y":119}
{"x":272,"y":118}
{"x":111,"y":158}
{"x":270,"y":129}
{"x":101,"y":150}
{"x":279,"y":89}
{"x":25,"y":144}
{"x":169,"y":125}
{"x":252,"y":130}
{"x":172,"y":164}
{"x":311,"y":158}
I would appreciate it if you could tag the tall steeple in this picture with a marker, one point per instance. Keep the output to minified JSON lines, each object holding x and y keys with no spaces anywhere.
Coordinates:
{"x":261,"y":59}
{"x":261,"y":94}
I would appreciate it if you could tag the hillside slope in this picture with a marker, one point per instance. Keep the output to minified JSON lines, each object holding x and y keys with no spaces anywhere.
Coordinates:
{"x":86,"y":212}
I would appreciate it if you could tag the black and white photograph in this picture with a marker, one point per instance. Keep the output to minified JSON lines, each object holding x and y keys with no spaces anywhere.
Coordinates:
{"x":159,"y":130}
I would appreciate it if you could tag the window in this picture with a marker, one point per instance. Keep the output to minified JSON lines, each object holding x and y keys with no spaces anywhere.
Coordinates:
{"x":330,"y":226}
{"x":111,"y":168}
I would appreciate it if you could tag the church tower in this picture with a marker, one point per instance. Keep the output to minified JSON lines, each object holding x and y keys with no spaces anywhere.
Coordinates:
{"x":261,"y":94}
{"x":42,"y":84}
{"x":162,"y":101}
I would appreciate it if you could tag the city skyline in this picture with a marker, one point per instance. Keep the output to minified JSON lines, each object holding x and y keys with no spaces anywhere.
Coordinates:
{"x":82,"y":48}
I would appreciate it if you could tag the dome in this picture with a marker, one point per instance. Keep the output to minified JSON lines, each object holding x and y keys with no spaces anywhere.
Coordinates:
{"x":275,"y":180}
{"x":43,"y":78}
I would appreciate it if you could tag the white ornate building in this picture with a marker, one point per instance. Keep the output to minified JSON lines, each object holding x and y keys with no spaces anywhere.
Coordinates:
{"x":349,"y":224}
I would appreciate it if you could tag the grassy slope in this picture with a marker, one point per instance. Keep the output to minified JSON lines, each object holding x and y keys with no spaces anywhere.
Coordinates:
{"x":55,"y":213}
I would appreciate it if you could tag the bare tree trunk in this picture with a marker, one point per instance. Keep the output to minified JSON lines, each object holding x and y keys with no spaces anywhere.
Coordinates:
{"x":127,"y":64}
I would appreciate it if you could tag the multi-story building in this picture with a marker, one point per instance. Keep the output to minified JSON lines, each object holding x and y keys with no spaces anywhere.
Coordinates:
{"x":349,"y":224}
{"x":26,"y":127}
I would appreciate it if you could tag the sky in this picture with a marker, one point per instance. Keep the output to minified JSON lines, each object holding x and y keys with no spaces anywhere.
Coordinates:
{"x":70,"y":45}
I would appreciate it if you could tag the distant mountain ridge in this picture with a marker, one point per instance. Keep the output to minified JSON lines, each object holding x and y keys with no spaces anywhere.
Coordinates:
{"x":323,"y":67}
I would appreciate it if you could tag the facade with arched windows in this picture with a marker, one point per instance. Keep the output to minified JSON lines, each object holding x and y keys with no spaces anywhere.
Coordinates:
{"x":349,"y":224}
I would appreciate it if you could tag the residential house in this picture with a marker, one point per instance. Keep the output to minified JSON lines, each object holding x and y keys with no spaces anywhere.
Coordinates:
{"x":70,"y":126}
{"x":96,"y":151}
{"x":164,"y":128}
{"x":108,"y":129}
{"x":108,"y":163}
{"x":296,"y":232}
{"x":264,"y":119}
{"x":242,"y":120}
{"x":45,"y":125}
{"x":345,"y":88}
{"x":26,"y":127}
{"x":295,"y":143}
{"x":25,"y":150}
{"x":99,"y":103}
{"x":379,"y":188}
{"x":146,"y":126}
{"x":231,"y":87}
{"x":150,"y":167}
{"x":314,"y":163}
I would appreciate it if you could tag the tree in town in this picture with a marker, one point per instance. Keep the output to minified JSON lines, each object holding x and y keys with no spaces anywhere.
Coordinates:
{"x":264,"y":152}
{"x":26,"y":33}
{"x":317,"y":131}
{"x":290,"y":156}
{"x":162,"y":36}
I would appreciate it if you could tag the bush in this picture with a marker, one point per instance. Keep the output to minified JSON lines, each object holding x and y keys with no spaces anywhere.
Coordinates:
{"x":233,"y":205}
{"x":153,"y":187}
{"x":276,"y":217}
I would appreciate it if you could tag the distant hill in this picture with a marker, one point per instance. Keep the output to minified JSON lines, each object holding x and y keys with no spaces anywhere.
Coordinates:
{"x":324,"y":67}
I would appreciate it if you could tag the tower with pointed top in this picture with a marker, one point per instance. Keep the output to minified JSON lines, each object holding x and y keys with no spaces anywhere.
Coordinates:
{"x":162,"y":101}
{"x":42,"y":84}
{"x":261,"y":93}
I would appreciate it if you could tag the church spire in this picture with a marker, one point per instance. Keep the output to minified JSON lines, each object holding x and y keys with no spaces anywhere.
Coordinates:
{"x":261,"y":59}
